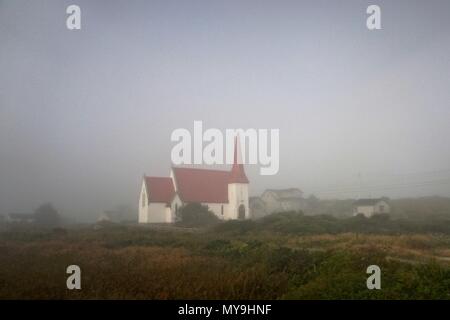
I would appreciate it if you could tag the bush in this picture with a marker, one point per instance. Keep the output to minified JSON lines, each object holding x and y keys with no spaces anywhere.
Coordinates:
{"x":196,"y":215}
{"x":236,"y":226}
{"x":381,"y":217}
{"x":292,"y":222}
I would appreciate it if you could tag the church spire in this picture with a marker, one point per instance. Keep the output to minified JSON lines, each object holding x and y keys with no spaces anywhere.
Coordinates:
{"x":237,"y":173}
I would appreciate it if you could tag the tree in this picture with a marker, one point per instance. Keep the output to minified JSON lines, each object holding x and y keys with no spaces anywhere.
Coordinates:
{"x":47,"y":216}
{"x":196,"y":214}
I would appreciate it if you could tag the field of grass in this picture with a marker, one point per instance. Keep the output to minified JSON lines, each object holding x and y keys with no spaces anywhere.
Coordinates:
{"x":270,"y":259}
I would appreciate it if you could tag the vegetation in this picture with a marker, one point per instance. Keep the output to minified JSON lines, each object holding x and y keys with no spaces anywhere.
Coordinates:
{"x":424,"y":208}
{"x":196,"y":215}
{"x":282,"y":256}
{"x":298,"y":223}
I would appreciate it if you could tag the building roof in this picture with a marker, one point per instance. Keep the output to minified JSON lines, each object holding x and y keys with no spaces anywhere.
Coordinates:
{"x":367,"y":202}
{"x":197,"y":185}
{"x":237,"y":174}
{"x":159,"y":189}
{"x":202,"y":185}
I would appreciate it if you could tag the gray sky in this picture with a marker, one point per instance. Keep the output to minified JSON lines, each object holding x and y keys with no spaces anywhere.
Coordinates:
{"x":83,"y":114}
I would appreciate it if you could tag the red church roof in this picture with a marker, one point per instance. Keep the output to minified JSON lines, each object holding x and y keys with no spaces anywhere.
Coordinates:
{"x":197,"y":185}
{"x":200,"y":185}
{"x":159,"y":189}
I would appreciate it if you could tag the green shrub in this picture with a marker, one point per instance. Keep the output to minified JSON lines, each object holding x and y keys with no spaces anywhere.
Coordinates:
{"x":196,"y":215}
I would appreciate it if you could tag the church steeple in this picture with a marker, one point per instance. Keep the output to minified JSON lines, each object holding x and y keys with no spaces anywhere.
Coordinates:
{"x":237,"y":173}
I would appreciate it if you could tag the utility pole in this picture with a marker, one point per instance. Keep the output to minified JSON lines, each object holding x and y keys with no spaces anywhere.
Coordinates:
{"x":360,"y":185}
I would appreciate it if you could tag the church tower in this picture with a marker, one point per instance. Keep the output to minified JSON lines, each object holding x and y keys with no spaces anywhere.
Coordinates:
{"x":238,"y":207}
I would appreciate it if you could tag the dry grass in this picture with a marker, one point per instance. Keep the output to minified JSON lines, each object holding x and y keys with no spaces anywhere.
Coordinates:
{"x":416,"y":247}
{"x":38,"y":271}
{"x":174,"y":264}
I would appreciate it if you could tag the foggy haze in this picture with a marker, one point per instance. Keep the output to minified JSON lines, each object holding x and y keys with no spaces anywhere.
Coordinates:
{"x":84,"y":114}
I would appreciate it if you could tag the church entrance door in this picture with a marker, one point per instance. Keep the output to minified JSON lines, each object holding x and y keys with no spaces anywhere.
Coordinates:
{"x":241,"y":212}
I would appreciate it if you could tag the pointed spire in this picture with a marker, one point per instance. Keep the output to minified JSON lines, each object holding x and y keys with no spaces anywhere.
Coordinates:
{"x":237,"y":174}
{"x":235,"y":150}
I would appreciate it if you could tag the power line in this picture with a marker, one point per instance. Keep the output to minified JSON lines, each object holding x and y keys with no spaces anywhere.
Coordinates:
{"x":384,"y":187}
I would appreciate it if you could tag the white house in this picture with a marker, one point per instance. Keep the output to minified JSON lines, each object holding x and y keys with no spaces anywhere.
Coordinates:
{"x":370,"y":207}
{"x":277,"y":200}
{"x":224,"y":192}
{"x":257,"y":207}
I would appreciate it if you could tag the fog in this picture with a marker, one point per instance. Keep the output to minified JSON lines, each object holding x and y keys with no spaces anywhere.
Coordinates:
{"x":85,"y":113}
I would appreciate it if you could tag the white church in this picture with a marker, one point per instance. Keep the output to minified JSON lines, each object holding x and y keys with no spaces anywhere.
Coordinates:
{"x":224,"y":192}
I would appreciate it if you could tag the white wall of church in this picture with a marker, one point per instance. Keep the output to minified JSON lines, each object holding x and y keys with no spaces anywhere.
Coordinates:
{"x":169,"y":215}
{"x":143,"y":205}
{"x":237,"y":195}
{"x":219,"y":209}
{"x":161,"y":213}
{"x":157,"y":213}
{"x":152,"y":212}
{"x":174,"y":207}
